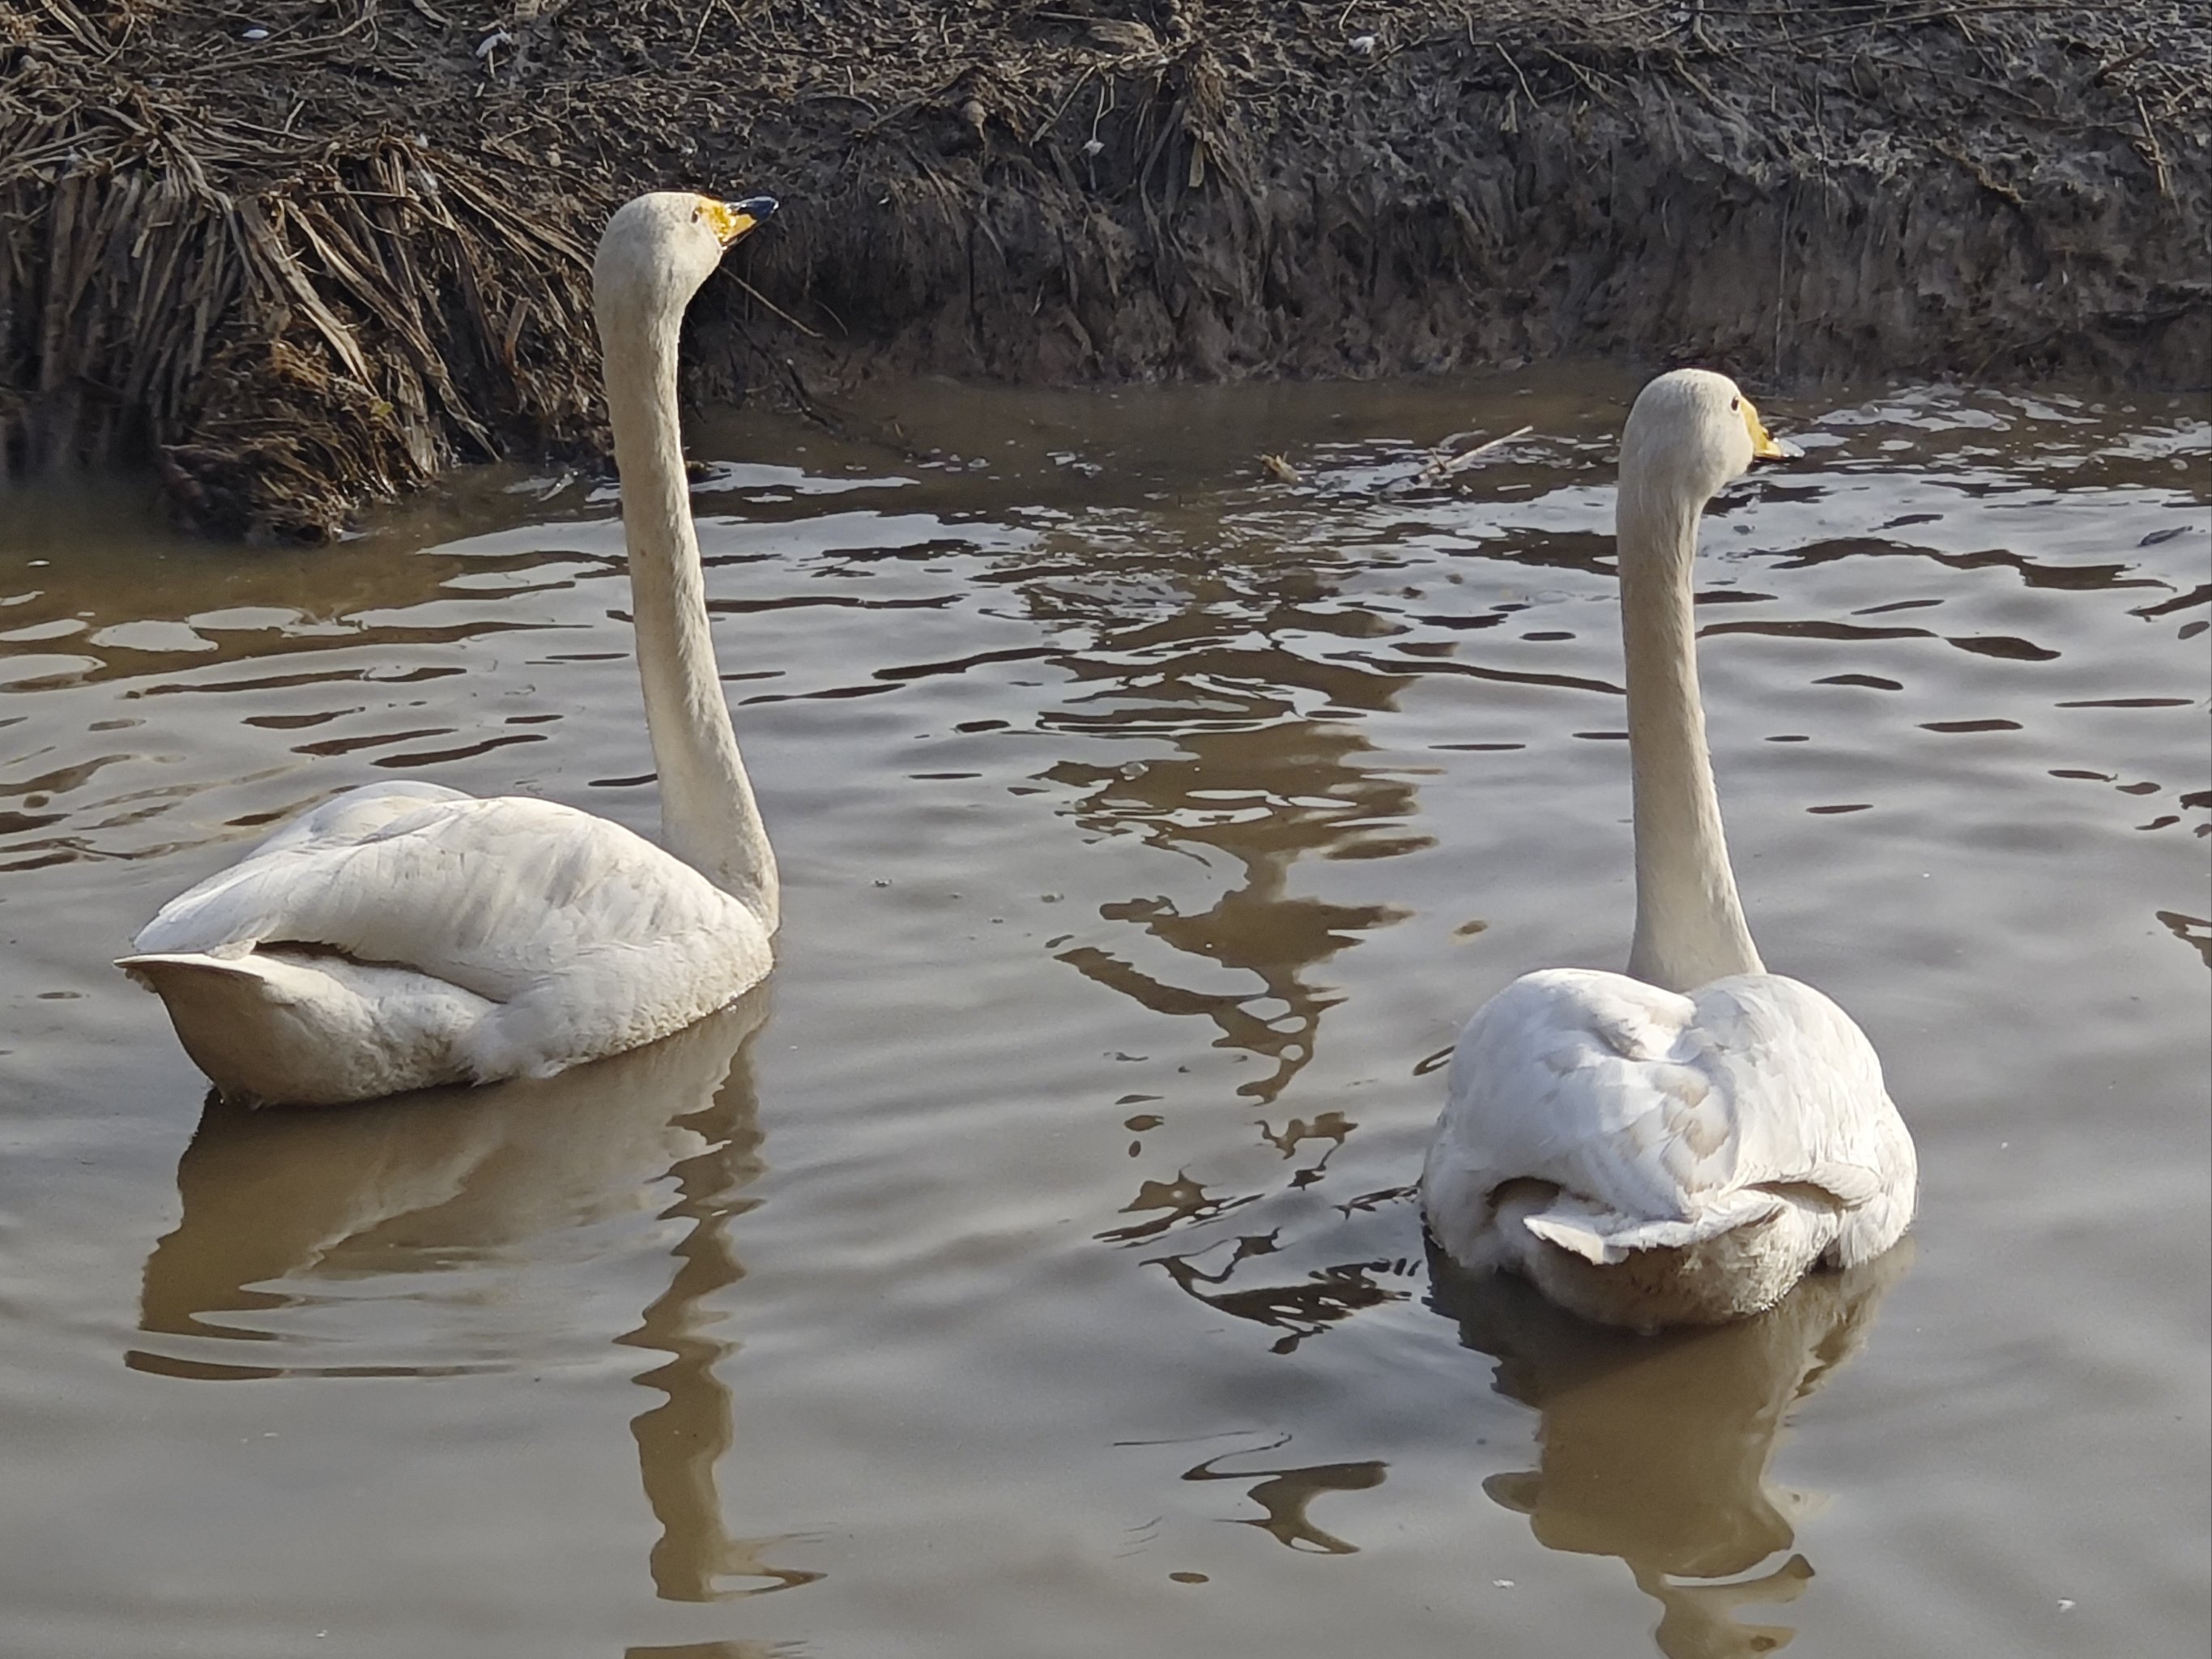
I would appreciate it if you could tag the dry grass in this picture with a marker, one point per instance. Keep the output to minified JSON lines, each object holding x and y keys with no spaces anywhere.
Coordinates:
{"x":288,"y":323}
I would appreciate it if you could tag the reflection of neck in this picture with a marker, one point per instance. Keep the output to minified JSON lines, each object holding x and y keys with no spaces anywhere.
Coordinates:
{"x":1689,"y":923}
{"x":1698,"y":1621}
{"x":681,"y":1441}
{"x":708,"y":815}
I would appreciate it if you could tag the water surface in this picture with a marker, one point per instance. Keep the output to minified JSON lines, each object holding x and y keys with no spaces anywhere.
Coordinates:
{"x":1028,"y":1267}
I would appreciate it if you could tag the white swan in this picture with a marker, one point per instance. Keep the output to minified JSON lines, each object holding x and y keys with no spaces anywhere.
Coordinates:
{"x":1681,"y":1144}
{"x":405,"y":935}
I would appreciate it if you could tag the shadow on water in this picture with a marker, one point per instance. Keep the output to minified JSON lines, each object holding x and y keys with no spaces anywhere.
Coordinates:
{"x":1655,"y":1450}
{"x":1210,"y":654}
{"x":1284,"y":1493}
{"x":459,"y":1194}
{"x":1260,"y":799}
{"x":1252,"y":785}
{"x":1326,"y":1295}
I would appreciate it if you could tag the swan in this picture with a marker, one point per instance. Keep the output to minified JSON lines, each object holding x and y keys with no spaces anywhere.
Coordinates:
{"x":1681,"y":1143}
{"x":405,"y":935}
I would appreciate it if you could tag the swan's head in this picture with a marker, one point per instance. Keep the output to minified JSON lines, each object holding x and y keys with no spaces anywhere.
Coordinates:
{"x":1691,"y":432}
{"x":658,"y":248}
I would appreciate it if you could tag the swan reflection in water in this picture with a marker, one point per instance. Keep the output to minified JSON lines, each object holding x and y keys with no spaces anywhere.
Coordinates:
{"x":1655,"y":1449}
{"x":292,"y":1218}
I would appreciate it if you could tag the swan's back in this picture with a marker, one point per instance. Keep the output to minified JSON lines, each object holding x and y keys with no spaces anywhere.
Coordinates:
{"x":1736,"y":1136}
{"x":492,"y":895}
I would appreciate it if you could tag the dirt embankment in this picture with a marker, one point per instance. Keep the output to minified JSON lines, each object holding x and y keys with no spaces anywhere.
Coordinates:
{"x":307,"y":252}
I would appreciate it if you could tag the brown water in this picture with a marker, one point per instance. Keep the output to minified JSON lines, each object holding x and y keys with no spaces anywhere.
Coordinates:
{"x":1028,"y":1270}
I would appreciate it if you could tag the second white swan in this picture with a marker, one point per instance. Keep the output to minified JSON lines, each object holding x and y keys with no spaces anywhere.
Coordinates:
{"x":405,"y":935}
{"x":1679,"y":1143}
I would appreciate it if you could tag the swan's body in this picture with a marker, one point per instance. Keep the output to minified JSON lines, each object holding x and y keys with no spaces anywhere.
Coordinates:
{"x":1679,"y":1143}
{"x":406,"y":935}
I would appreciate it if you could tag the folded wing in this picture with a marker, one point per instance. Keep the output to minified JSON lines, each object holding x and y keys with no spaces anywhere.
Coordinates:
{"x":490,"y":896}
{"x":1664,"y":1118}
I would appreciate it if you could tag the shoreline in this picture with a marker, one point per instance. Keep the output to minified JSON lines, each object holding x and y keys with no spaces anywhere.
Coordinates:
{"x":311,"y":270}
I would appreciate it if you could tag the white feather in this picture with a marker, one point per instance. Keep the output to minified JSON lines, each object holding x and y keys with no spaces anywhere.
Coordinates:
{"x":454,"y":940}
{"x":1646,"y":1120}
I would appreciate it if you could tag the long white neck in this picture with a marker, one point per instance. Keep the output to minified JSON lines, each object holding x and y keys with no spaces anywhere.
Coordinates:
{"x":1689,"y":922}
{"x":708,"y":815}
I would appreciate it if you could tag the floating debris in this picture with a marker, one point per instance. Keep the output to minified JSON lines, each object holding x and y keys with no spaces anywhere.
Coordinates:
{"x":1445,"y":465}
{"x":1280,"y":470}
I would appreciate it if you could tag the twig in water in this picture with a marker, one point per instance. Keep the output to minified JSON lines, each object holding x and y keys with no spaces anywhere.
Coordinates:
{"x":1445,"y":466}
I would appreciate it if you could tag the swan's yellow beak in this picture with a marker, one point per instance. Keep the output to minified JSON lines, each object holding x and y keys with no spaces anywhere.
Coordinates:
{"x":732,"y":220}
{"x":1765,"y":445}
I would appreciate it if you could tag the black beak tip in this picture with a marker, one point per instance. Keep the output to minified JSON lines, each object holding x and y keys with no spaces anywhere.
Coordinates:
{"x":756,"y":207}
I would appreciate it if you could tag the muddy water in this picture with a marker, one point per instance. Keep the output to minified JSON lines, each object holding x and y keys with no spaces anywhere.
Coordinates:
{"x":1028,"y":1270}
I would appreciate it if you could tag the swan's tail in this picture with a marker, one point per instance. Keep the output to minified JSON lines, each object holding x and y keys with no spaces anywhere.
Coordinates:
{"x":235,"y":984}
{"x":307,"y":1029}
{"x":1604,"y":1237}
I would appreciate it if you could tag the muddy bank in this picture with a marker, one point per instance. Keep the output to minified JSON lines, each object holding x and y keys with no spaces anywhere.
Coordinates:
{"x":307,"y":253}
